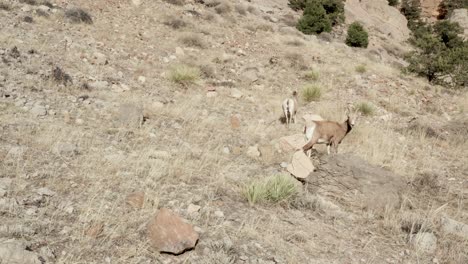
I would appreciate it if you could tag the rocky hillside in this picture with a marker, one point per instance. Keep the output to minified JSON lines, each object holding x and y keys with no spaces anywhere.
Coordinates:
{"x":129,"y":129}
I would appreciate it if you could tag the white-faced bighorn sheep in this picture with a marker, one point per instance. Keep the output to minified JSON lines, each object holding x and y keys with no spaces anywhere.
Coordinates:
{"x":290,"y":108}
{"x":328,"y":132}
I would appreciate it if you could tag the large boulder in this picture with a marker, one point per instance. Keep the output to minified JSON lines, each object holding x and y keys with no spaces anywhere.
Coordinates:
{"x":378,"y":16}
{"x":352,"y":181}
{"x":300,"y":166}
{"x":461,"y":17}
{"x":168,"y":232}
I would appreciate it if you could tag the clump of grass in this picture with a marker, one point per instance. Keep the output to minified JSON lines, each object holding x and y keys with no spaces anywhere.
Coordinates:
{"x":311,"y":75}
{"x":361,"y":68}
{"x":184,"y":74}
{"x":311,"y":93}
{"x":28,"y":19}
{"x":273,"y":189}
{"x":223,"y":8}
{"x":175,"y":23}
{"x":296,"y":60}
{"x":252,"y":10}
{"x":295,"y":42}
{"x":78,"y":15}
{"x":29,"y":2}
{"x":175,"y":2}
{"x":241,"y":9}
{"x":42,"y":13}
{"x":192,"y":41}
{"x":5,"y":6}
{"x":59,"y":76}
{"x":365,"y":108}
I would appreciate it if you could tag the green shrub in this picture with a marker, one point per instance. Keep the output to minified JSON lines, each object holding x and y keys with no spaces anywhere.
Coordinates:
{"x":365,"y":108}
{"x":311,"y":76}
{"x":411,"y":9}
{"x":273,"y":189}
{"x":184,"y":74}
{"x":361,"y":68}
{"x":297,"y":5}
{"x":334,"y":10}
{"x":393,"y":2}
{"x":447,"y":6}
{"x":314,"y":19}
{"x":357,"y":36}
{"x":311,"y":93}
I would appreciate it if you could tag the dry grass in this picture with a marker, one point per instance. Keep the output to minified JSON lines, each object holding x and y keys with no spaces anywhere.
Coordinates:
{"x":311,"y":93}
{"x":184,"y":74}
{"x":361,"y":68}
{"x":273,"y":189}
{"x":175,"y":23}
{"x":295,"y":43}
{"x":296,"y":60}
{"x":311,"y":75}
{"x":175,"y":2}
{"x":223,"y":8}
{"x":78,"y":15}
{"x":365,"y":108}
{"x":5,"y":6}
{"x":193,"y":40}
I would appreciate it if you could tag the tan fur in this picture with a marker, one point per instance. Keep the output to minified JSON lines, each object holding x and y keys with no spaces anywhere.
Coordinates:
{"x":327,"y":132}
{"x":290,"y":109}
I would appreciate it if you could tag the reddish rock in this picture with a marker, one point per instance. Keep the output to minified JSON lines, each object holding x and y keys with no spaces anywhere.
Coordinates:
{"x":136,"y":199}
{"x":95,"y":230}
{"x":168,"y":232}
{"x":235,"y":122}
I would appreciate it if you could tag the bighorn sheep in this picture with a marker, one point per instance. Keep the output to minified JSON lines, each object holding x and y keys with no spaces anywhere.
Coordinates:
{"x":290,"y":108}
{"x":328,"y":132}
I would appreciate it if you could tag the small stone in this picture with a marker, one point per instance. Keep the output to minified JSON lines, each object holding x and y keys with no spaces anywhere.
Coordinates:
{"x":179,"y":51}
{"x":219,"y":214}
{"x":235,"y":122}
{"x":66,"y":149}
{"x":136,"y":200}
{"x":157,"y":105}
{"x":45,"y":192}
{"x":283,"y":165}
{"x":99,"y":58}
{"x":253,"y":151}
{"x":141,"y":79}
{"x":79,"y":121}
{"x":136,"y":2}
{"x":426,"y":242}
{"x":31,"y":211}
{"x":211,"y":94}
{"x":168,"y":232}
{"x":39,"y":110}
{"x":226,"y":151}
{"x":43,"y":8}
{"x":235,"y":93}
{"x":95,"y":230}
{"x":98,"y":85}
{"x":193,"y":208}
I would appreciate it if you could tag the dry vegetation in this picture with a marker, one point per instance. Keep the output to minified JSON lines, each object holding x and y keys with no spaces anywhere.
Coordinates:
{"x":133,"y":129}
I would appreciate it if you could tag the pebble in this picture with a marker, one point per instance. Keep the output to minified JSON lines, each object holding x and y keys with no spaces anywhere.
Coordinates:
{"x":219,"y":214}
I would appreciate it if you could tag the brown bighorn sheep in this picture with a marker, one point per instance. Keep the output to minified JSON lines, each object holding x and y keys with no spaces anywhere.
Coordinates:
{"x":328,"y":132}
{"x":290,"y":108}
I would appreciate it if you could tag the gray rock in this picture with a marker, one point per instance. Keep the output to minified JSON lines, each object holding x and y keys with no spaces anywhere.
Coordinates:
{"x":14,"y":252}
{"x":193,"y":208}
{"x":425,"y":242}
{"x":45,"y":192}
{"x":99,"y":58}
{"x":453,"y":227}
{"x":43,"y":8}
{"x":38,"y":110}
{"x":235,"y":93}
{"x":8,"y":205}
{"x":66,"y":149}
{"x":5,"y":185}
{"x":98,"y":85}
{"x":219,"y":214}
{"x":253,"y":151}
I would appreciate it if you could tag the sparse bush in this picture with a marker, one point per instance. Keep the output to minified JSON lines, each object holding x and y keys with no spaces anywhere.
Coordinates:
{"x":184,"y":74}
{"x":393,"y":2}
{"x":175,"y":23}
{"x":311,"y":76}
{"x":365,"y":108}
{"x":289,"y":20}
{"x":297,"y":5}
{"x":59,"y":76}
{"x":28,"y":19}
{"x":29,"y":2}
{"x":296,"y":60}
{"x":223,"y":8}
{"x":78,"y":15}
{"x":295,"y":42}
{"x":311,"y":93}
{"x":5,"y":6}
{"x":411,"y":9}
{"x":175,"y":2}
{"x":208,"y":71}
{"x":314,"y":19}
{"x":265,"y":27}
{"x":447,"y":6}
{"x":361,"y":68}
{"x":334,"y":9}
{"x":273,"y":189}
{"x":42,"y":13}
{"x":193,"y":41}
{"x":357,"y":36}
{"x":241,"y":9}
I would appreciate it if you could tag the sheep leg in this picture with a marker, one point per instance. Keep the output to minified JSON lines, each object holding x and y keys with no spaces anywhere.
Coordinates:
{"x":310,"y":145}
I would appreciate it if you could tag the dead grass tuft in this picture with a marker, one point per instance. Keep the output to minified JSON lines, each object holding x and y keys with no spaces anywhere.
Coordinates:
{"x":184,"y":75}
{"x":59,"y":76}
{"x":365,"y":108}
{"x":241,"y":9}
{"x":78,"y":15}
{"x":5,"y":6}
{"x":175,"y":2}
{"x":28,"y":19}
{"x":361,"y":68}
{"x":311,"y":75}
{"x":296,"y":60}
{"x":311,"y":93}
{"x":175,"y":23}
{"x":273,"y":189}
{"x":289,"y":20}
{"x":426,"y":182}
{"x":193,"y":40}
{"x":223,"y":8}
{"x":295,"y":42}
